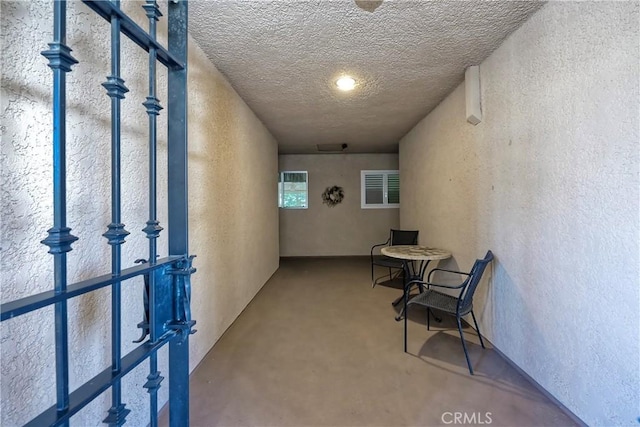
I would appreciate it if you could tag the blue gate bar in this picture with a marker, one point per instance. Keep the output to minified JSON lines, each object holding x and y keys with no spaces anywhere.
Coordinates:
{"x":177,"y":123}
{"x":60,"y":237}
{"x":31,"y":303}
{"x":153,"y":228}
{"x":116,"y":232}
{"x":100,"y":383}
{"x":178,"y":214}
{"x":169,"y":290}
{"x":132,"y":30}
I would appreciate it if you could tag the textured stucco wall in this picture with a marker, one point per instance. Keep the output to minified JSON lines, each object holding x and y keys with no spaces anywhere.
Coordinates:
{"x":549,"y":182}
{"x":345,"y":229}
{"x":233,"y":180}
{"x":233,"y":164}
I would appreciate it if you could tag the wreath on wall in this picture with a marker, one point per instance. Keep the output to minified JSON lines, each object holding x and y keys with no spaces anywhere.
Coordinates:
{"x":332,"y":196}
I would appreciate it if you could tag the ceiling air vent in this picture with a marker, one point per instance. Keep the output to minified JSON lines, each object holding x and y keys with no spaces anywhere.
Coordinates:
{"x":331,"y":147}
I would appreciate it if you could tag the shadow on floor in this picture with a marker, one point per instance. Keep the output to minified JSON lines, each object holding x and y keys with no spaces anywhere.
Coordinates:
{"x":442,"y":348}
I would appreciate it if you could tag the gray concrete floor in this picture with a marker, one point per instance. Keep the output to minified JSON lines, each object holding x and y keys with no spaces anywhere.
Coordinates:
{"x":319,"y":347}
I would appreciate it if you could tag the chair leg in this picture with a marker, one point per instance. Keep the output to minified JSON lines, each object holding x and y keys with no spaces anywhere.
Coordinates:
{"x":428,"y":316}
{"x":405,"y":322}
{"x":464,"y":345}
{"x":373,"y":283}
{"x":477,"y":329}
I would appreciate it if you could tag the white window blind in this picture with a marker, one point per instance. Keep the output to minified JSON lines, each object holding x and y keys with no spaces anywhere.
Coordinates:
{"x":380,"y":189}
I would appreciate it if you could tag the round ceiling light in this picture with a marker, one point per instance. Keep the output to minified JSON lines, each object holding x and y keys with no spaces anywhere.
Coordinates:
{"x":346,"y":83}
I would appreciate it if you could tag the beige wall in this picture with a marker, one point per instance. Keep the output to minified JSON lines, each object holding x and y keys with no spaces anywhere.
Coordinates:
{"x":231,"y":213}
{"x":345,"y":229}
{"x":549,"y":182}
{"x":233,"y":180}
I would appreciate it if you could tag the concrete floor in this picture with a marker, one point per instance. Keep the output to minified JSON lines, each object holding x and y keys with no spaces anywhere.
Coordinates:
{"x":319,"y":347}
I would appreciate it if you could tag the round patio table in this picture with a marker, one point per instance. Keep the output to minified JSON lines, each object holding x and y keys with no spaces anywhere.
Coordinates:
{"x":413,"y":270}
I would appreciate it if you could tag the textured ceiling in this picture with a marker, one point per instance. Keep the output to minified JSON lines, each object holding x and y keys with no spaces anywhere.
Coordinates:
{"x":283,"y":58}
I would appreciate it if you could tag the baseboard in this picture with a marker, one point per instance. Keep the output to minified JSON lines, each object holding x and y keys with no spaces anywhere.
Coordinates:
{"x":326,"y":257}
{"x":542,"y":390}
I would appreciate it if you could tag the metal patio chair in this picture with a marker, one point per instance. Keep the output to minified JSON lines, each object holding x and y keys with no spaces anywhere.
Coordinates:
{"x":396,"y":237}
{"x":457,"y":306}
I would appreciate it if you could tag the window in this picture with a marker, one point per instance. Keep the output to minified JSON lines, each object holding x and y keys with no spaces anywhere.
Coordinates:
{"x":292,"y":190}
{"x":380,"y":189}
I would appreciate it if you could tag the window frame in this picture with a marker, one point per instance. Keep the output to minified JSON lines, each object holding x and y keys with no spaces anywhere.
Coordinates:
{"x":281,"y":191}
{"x":385,"y":189}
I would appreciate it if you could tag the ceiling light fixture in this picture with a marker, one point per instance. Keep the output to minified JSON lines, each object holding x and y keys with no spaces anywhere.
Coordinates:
{"x":346,"y":83}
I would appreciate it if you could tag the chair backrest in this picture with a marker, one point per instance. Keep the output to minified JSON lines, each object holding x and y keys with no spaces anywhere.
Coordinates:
{"x":403,"y":237}
{"x":466,"y":295}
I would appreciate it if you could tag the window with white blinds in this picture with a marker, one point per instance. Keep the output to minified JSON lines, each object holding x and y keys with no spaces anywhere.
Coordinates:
{"x":292,"y":190}
{"x":380,"y":189}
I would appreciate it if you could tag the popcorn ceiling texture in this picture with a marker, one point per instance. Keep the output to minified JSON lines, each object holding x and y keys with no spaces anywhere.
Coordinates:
{"x":344,"y":229}
{"x":230,"y":212}
{"x":283,"y":58}
{"x":549,"y":182}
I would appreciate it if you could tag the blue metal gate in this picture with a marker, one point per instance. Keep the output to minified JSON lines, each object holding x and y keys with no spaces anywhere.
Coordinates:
{"x":167,"y":317}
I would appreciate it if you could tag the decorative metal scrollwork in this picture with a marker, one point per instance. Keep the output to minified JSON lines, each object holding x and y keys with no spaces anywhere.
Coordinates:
{"x":144,"y":325}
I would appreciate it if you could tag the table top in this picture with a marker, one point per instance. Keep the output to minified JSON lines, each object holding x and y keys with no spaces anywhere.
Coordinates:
{"x":415,"y":252}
